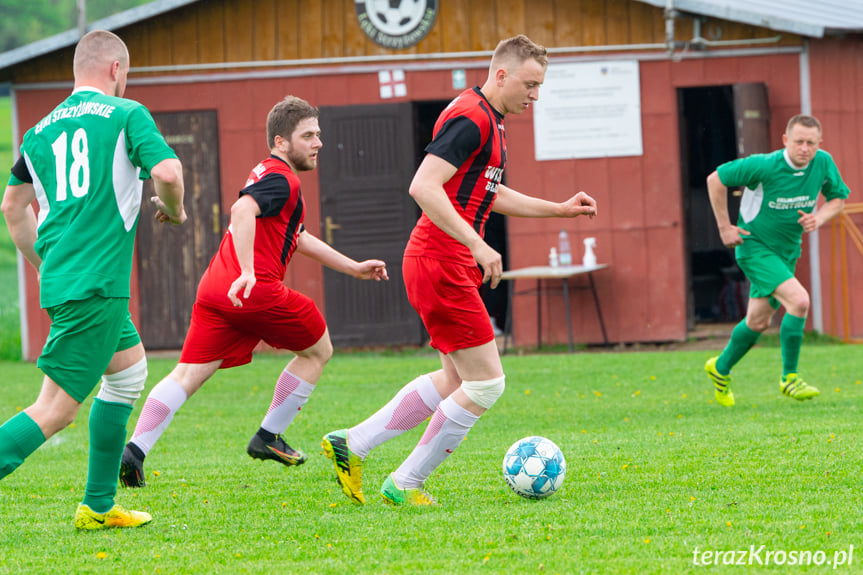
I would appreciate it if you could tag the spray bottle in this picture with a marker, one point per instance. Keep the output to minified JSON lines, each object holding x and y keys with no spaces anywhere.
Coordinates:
{"x":589,"y":257}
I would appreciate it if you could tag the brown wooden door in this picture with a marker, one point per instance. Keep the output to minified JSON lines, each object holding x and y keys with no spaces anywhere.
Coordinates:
{"x":171,"y":259}
{"x":366,"y":166}
{"x":751,"y":119}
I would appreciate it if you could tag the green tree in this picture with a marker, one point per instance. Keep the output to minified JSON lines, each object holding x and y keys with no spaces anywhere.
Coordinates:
{"x":26,"y":21}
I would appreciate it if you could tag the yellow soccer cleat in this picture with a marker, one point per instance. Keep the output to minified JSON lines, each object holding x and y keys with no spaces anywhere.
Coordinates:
{"x":86,"y":518}
{"x":793,"y":385}
{"x":395,"y":495}
{"x":721,"y":383}
{"x":349,"y":466}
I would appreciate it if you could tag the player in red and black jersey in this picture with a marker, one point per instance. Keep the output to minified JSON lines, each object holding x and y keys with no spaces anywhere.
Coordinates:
{"x":242,"y":301}
{"x":468,"y":134}
{"x":457,"y":185}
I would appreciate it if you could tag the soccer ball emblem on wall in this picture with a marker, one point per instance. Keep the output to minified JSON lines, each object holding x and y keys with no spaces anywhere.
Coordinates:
{"x":396,"y":24}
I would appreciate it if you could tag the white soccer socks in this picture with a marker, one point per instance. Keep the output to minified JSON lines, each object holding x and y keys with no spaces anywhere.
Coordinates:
{"x":289,"y":397}
{"x":412,"y":405}
{"x":446,"y":430}
{"x":159,"y":409}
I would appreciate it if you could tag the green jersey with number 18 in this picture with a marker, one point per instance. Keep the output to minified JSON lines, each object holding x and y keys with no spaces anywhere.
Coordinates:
{"x":87,"y":159}
{"x":774,"y":189}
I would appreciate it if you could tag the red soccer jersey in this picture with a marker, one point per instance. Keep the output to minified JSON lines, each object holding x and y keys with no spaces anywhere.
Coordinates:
{"x":468,"y":134}
{"x":276,"y":189}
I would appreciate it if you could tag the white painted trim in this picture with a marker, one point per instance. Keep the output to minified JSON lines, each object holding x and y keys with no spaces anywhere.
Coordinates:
{"x":415,"y":65}
{"x":22,"y":263}
{"x":816,"y":307}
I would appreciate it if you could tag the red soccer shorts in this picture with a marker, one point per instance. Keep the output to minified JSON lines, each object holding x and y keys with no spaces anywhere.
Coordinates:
{"x":292,"y":322}
{"x":446,"y":295}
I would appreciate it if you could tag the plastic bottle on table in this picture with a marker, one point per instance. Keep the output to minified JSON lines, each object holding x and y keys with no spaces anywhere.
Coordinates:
{"x":552,"y":258}
{"x":564,"y":255}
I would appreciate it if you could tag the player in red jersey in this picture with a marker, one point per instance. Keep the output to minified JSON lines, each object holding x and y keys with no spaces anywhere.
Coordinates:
{"x":241,"y":299}
{"x":457,"y":185}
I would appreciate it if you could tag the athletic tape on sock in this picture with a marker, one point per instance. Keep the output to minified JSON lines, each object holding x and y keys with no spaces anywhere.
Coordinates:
{"x":124,"y":386}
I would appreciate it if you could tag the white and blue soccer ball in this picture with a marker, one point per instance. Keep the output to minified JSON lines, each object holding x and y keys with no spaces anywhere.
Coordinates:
{"x":534,"y":467}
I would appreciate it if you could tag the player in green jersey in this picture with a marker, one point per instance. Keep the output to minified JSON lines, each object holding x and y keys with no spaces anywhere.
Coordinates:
{"x":779,"y":198}
{"x":83,"y":164}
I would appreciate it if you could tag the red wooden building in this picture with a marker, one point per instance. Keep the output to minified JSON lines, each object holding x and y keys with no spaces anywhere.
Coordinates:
{"x":713,"y":82}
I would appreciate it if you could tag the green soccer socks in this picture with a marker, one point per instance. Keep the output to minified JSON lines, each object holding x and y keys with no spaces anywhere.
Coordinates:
{"x":742,"y":340}
{"x":19,"y":437}
{"x":107,"y":440}
{"x":791,"y":339}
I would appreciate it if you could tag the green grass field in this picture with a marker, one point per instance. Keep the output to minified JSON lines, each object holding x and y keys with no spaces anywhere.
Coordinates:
{"x":656,"y":473}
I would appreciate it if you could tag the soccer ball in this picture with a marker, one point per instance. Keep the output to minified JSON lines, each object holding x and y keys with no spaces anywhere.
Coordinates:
{"x":534,"y":467}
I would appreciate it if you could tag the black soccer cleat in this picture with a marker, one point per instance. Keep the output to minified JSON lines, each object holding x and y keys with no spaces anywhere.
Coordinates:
{"x":132,"y":466}
{"x":277,"y":450}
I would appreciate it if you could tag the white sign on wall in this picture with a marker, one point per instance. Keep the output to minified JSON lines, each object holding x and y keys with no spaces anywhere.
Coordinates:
{"x":588,"y":110}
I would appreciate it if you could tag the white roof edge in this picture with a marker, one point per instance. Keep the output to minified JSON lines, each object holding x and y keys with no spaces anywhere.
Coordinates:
{"x":70,"y":37}
{"x":800,"y":17}
{"x":744,"y":16}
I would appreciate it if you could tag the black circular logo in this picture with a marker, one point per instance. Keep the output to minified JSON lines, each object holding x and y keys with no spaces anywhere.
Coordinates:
{"x":396,"y":24}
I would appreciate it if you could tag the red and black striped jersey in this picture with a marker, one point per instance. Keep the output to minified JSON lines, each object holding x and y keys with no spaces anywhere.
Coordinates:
{"x":276,"y":189}
{"x":468,"y":134}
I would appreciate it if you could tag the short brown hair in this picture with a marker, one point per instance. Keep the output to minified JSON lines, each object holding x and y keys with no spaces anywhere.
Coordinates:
{"x":284,"y":117}
{"x":803,"y":120}
{"x":99,"y":47}
{"x":516,"y":50}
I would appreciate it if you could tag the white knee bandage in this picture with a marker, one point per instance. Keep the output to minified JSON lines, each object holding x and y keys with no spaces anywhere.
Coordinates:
{"x":484,"y":393}
{"x":124,"y":386}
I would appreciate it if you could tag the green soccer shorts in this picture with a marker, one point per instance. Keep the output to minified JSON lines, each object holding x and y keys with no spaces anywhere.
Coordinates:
{"x":766,"y":271}
{"x":84,"y":336}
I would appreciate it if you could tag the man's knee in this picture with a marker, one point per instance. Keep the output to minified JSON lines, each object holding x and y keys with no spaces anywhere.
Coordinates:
{"x":484,"y":393}
{"x":321,"y":352}
{"x":759,"y":314}
{"x":758,"y":323}
{"x":327,"y":351}
{"x":53,"y":413}
{"x":52,"y":419}
{"x":124,"y":386}
{"x":799,"y":304}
